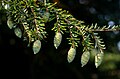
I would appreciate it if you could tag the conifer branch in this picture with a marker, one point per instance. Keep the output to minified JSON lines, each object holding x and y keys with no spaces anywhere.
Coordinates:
{"x":33,"y":18}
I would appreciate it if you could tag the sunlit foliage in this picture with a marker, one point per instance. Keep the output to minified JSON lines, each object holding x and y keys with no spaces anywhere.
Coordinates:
{"x":28,"y":18}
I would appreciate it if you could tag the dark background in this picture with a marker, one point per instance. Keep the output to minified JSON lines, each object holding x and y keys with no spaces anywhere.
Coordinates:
{"x":18,"y":61}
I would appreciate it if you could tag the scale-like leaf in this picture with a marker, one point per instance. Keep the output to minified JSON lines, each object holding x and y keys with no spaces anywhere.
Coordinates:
{"x":71,"y":54}
{"x":98,"y":58}
{"x":18,"y":32}
{"x":10,"y":23}
{"x":57,"y":39}
{"x":36,"y":46}
{"x":85,"y":58}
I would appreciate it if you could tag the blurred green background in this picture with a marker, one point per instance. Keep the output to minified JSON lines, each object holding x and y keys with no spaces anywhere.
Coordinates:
{"x":18,"y":60}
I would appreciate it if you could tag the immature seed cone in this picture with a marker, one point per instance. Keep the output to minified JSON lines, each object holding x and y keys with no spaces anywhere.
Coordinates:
{"x":71,"y":54}
{"x":18,"y":32}
{"x":36,"y":46}
{"x":98,"y":58}
{"x":85,"y":58}
{"x":57,"y":39}
{"x":10,"y":23}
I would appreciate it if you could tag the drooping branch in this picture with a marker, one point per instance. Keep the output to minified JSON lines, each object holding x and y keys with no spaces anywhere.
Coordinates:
{"x":34,"y":17}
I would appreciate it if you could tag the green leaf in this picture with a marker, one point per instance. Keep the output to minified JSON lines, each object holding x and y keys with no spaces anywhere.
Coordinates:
{"x":98,"y":58}
{"x":36,"y":46}
{"x":10,"y":23}
{"x":57,"y":39}
{"x":71,"y":54}
{"x":42,"y":24}
{"x":18,"y":32}
{"x":85,"y":58}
